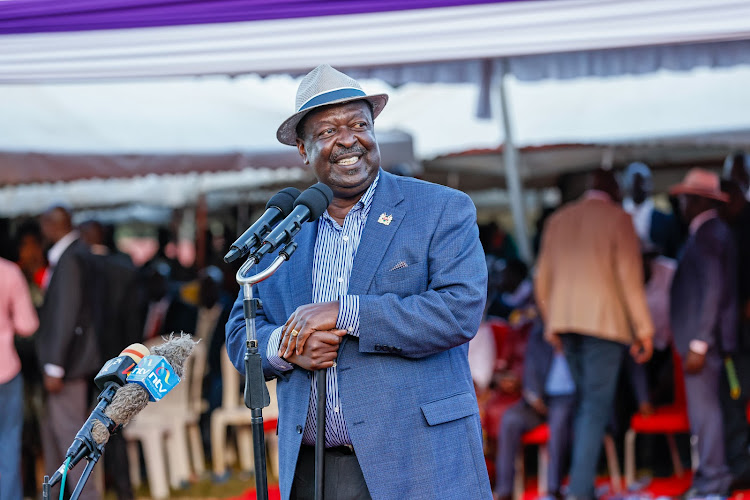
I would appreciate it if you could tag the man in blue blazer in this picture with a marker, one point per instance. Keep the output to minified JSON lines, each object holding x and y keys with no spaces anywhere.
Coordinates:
{"x":703,"y":317}
{"x":385,"y":291}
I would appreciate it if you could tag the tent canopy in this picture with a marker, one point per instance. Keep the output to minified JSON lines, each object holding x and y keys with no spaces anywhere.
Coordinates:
{"x":416,"y":40}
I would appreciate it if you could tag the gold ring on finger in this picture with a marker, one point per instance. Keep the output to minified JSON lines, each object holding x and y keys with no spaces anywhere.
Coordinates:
{"x":295,"y":333}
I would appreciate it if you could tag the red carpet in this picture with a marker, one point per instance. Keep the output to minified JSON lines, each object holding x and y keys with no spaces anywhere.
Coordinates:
{"x":273,"y":494}
{"x":672,"y":487}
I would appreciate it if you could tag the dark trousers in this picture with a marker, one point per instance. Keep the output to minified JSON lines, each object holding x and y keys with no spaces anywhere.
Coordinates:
{"x":343,"y":477}
{"x":521,"y":418}
{"x":704,"y":410}
{"x":595,"y":365}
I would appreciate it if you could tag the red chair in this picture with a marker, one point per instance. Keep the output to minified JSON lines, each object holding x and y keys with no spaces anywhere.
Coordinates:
{"x":670,"y":420}
{"x":539,"y":436}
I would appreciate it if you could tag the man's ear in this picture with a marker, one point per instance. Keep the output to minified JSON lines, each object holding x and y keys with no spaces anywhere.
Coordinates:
{"x":302,"y":151}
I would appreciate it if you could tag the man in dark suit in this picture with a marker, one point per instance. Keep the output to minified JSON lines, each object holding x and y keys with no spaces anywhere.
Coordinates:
{"x":703,"y":317}
{"x":67,"y":344}
{"x":548,"y":396}
{"x":654,"y":228}
{"x":115,"y":282}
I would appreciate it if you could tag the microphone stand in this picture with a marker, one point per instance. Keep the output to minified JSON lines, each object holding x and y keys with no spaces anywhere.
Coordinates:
{"x":90,"y":450}
{"x":256,"y":392}
{"x":321,"y":377}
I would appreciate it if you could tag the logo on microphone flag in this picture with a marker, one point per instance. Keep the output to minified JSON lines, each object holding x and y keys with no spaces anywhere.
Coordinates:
{"x":156,"y":375}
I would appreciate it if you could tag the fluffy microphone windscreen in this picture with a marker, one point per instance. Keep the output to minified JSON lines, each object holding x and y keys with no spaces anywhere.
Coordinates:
{"x":132,"y":398}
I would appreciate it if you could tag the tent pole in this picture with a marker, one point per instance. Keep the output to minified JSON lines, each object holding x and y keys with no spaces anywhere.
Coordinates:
{"x":512,"y":177}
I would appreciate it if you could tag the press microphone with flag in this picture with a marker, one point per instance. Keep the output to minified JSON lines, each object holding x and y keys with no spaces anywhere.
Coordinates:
{"x":309,"y":206}
{"x":155,"y":378}
{"x":116,"y":370}
{"x":278,"y":207}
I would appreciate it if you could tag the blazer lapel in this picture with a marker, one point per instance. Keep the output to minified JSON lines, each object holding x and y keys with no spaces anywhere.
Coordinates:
{"x":377,"y":236}
{"x":300,"y":266}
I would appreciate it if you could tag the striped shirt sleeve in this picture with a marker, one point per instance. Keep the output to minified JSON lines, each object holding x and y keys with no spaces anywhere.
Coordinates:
{"x":349,"y":314}
{"x":272,"y":352}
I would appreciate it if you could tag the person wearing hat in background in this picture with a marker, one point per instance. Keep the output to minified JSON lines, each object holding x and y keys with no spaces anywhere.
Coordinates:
{"x":703,"y":320}
{"x":385,"y":291}
{"x":654,"y":228}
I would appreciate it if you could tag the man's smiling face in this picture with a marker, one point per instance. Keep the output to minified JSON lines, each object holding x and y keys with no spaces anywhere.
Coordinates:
{"x":339,"y":143}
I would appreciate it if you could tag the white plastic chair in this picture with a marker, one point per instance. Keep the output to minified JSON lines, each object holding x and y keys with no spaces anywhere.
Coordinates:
{"x":234,"y":413}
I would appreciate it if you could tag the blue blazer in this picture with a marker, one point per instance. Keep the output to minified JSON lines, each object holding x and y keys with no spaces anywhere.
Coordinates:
{"x":704,"y":294}
{"x":405,"y":386}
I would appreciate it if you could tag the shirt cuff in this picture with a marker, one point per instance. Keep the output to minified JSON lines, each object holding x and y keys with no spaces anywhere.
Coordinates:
{"x":349,"y":314}
{"x":698,"y":347}
{"x":54,"y":370}
{"x":272,"y":352}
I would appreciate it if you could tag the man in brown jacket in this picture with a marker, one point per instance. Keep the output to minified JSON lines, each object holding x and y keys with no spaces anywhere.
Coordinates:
{"x":589,"y":287}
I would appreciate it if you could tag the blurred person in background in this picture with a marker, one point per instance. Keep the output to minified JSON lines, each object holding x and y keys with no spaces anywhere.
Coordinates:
{"x":736,"y":213}
{"x":115,"y":282}
{"x":31,"y":259}
{"x":161,"y":311}
{"x":548,"y":395}
{"x":214,"y":306}
{"x":652,"y":226}
{"x":17,"y":317}
{"x":67,"y":342}
{"x":589,"y":289}
{"x":165,"y":254}
{"x":512,"y":289}
{"x":703,"y":318}
{"x":737,"y":169}
{"x":33,"y":264}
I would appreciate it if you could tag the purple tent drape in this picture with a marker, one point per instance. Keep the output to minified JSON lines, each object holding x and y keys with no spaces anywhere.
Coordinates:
{"x":38,"y":16}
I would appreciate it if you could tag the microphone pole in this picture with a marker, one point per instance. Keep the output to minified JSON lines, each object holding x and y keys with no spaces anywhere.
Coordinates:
{"x":256,"y":392}
{"x":321,"y":376}
{"x":308,"y":207}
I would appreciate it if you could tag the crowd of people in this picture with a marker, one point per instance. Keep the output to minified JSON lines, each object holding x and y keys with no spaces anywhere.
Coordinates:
{"x":621,"y":290}
{"x":83,"y":300}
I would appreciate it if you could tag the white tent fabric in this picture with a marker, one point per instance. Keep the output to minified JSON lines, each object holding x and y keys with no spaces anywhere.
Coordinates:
{"x":154,"y":190}
{"x":467,"y":38}
{"x":216,"y":115}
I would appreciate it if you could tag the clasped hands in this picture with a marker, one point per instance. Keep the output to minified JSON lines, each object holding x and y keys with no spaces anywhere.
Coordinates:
{"x":310,"y":338}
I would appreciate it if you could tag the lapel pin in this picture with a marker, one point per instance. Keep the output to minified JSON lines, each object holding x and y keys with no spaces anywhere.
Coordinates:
{"x":385,"y":219}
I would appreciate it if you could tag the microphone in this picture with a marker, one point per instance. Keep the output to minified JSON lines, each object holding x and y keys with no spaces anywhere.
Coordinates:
{"x":277,"y":208}
{"x":116,"y":370}
{"x":109,"y":417}
{"x":156,"y":375}
{"x":309,"y":206}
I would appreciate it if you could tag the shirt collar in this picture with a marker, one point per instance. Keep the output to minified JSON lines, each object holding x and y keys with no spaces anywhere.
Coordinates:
{"x":56,"y":251}
{"x":364,"y":204}
{"x":630,"y":207}
{"x":595,"y":194}
{"x":701,"y":219}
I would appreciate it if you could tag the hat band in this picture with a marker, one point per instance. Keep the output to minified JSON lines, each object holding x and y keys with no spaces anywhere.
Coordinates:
{"x":332,"y":95}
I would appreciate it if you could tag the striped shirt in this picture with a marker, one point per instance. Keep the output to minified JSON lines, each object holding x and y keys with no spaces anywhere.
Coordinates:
{"x":333,"y":258}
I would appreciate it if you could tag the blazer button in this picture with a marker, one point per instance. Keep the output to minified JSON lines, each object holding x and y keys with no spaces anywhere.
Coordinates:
{"x":378,"y":347}
{"x":299,"y":429}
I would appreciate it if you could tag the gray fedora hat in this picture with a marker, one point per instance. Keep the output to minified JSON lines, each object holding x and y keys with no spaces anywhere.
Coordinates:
{"x":324,"y":86}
